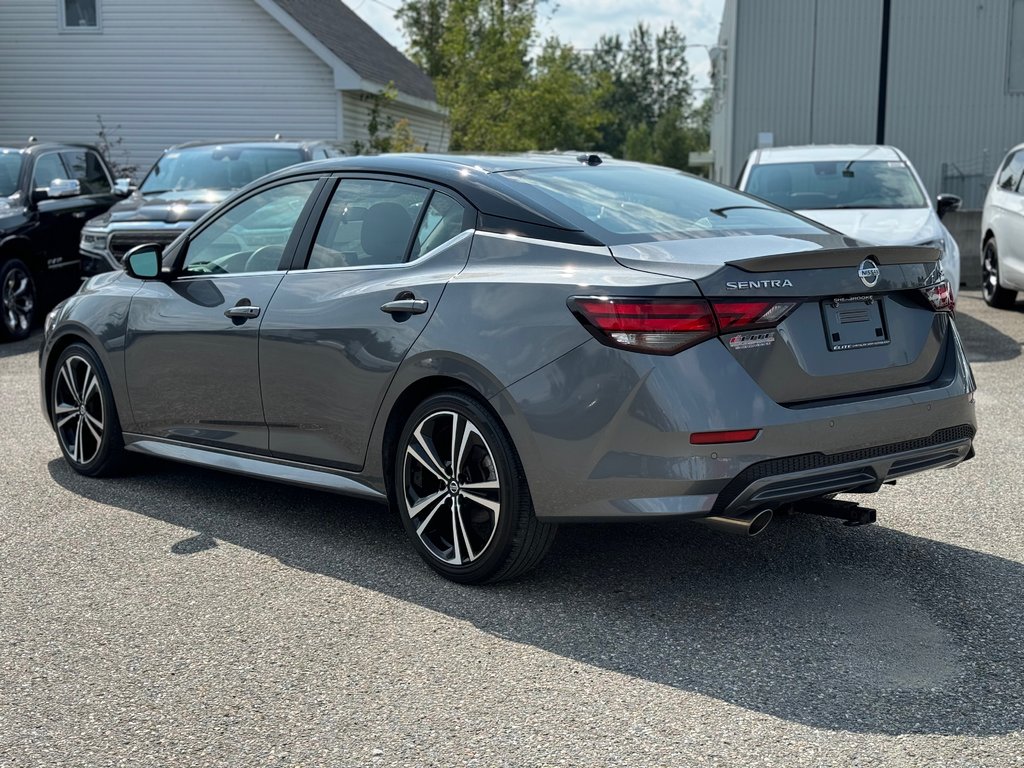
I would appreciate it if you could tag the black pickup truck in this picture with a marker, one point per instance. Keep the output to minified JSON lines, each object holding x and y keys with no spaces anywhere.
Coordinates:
{"x":47,"y":193}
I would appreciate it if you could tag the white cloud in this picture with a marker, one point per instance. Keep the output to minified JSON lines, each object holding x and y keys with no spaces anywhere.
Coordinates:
{"x":582,"y":22}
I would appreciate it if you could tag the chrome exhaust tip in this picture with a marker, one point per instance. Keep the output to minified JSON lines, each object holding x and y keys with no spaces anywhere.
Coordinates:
{"x":749,"y":524}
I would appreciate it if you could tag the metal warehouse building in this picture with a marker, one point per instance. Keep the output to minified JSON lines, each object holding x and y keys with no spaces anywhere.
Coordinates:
{"x":943,"y":80}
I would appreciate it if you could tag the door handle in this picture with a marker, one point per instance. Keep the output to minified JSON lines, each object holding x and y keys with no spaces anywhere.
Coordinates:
{"x":405,"y":307}
{"x":242,"y":311}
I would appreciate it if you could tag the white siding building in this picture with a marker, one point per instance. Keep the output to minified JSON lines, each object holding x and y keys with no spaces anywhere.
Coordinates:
{"x":949,"y":93}
{"x":161,"y":73}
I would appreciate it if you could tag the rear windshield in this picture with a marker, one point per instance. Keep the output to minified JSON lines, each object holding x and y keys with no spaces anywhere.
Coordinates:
{"x":10,"y":169}
{"x":212,"y":167}
{"x":837,"y":184}
{"x":634,"y":203}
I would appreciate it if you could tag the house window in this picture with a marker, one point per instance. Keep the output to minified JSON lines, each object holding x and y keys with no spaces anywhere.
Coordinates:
{"x":79,"y":15}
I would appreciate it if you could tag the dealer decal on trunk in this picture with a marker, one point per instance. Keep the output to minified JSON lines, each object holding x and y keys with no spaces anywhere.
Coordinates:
{"x":752,"y":340}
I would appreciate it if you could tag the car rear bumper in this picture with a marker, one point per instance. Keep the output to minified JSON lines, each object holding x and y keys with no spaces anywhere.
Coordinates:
{"x":605,"y":434}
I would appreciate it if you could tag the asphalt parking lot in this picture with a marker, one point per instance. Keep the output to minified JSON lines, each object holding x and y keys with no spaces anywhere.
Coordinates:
{"x":183,"y":617}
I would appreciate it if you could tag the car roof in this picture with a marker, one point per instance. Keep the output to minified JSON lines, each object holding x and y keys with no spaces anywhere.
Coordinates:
{"x":255,"y":143}
{"x":824,"y":152}
{"x":35,"y":147}
{"x":478,"y":178}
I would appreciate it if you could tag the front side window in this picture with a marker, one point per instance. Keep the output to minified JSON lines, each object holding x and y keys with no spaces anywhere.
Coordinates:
{"x":215,"y":167}
{"x":837,"y":184}
{"x":1009,"y":175}
{"x":10,"y":170}
{"x":87,"y":168}
{"x":368,"y":223}
{"x":633,"y":203}
{"x":251,"y":236}
{"x":80,"y":14}
{"x":48,"y":168}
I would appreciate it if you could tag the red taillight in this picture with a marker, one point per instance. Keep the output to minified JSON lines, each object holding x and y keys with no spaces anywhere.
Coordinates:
{"x":728,"y":436}
{"x":667,"y":326}
{"x":737,"y":315}
{"x":658,"y":326}
{"x":940,"y":296}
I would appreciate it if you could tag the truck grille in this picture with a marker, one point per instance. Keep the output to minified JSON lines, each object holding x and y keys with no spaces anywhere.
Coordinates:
{"x":119,"y":243}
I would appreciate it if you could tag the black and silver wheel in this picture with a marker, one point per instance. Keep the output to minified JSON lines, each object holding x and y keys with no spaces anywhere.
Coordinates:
{"x":83,"y":413}
{"x":462,"y":494}
{"x":17,"y":300}
{"x":994,"y":294}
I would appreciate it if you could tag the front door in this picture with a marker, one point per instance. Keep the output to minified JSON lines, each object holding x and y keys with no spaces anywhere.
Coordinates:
{"x":337,"y":331}
{"x":191,"y":359}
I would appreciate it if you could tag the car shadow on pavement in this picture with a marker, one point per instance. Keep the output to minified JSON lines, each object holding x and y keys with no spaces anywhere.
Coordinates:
{"x":866,"y":630}
{"x":14,"y":348}
{"x":983,"y":343}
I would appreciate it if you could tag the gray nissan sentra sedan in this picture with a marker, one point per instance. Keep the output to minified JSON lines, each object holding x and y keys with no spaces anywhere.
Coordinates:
{"x":494,"y":345}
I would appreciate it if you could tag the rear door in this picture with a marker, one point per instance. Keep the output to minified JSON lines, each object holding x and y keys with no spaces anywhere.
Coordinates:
{"x":340,"y":325}
{"x":192,"y":357}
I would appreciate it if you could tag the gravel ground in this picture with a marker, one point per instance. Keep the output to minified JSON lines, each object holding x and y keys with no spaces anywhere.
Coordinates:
{"x":180,"y":617}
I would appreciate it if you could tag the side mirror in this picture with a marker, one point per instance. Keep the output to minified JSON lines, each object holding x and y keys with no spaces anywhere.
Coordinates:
{"x":124,"y":187}
{"x":947,"y":203}
{"x":64,"y":188}
{"x":143,"y":262}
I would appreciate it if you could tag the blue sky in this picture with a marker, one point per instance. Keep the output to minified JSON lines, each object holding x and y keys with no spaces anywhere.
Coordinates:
{"x":582,"y":22}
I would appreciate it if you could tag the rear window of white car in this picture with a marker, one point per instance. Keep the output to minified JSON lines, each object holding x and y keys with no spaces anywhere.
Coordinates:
{"x":837,"y":184}
{"x":631,"y":203}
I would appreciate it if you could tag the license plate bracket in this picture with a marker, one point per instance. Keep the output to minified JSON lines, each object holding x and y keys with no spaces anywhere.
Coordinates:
{"x":854,"y":322}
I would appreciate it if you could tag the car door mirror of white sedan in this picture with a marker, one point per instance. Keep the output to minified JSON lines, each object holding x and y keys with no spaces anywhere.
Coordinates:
{"x":947,"y":204}
{"x":144,"y":262}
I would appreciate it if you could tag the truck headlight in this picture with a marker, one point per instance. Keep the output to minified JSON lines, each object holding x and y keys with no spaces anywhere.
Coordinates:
{"x":95,"y":242}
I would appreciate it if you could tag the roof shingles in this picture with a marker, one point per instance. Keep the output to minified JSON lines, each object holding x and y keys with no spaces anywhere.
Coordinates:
{"x":357,"y":44}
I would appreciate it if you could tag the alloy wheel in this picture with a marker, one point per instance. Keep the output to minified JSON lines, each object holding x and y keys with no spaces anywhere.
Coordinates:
{"x":989,"y":274}
{"x":78,"y":409}
{"x":18,"y":301}
{"x":452,"y":488}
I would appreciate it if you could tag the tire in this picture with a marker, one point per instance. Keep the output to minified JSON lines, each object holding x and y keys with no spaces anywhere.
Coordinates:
{"x":475,"y":524}
{"x":84,"y":414}
{"x":993,"y":293}
{"x":17,"y":300}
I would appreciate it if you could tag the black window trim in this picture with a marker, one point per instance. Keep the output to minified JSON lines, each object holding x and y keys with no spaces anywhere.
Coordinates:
{"x":298,"y":229}
{"x":304,"y":249}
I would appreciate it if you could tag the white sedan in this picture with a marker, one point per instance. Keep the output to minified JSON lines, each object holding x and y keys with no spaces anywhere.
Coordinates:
{"x":1002,"y":233}
{"x":869,"y":193}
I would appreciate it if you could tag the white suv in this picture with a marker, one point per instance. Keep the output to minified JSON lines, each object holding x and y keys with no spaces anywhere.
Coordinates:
{"x":869,"y":193}
{"x":1002,"y":234}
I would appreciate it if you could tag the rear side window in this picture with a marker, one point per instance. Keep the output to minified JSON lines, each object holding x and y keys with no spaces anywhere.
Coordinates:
{"x":48,"y":168}
{"x":1009,"y":175}
{"x":88,"y":169}
{"x":445,"y":219}
{"x":368,"y":223}
{"x":634,"y":203}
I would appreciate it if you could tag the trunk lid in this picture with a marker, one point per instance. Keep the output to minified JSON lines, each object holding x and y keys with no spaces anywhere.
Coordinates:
{"x":861,"y":323}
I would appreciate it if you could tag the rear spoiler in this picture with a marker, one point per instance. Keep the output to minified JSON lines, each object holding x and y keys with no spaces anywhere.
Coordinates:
{"x":883,"y":256}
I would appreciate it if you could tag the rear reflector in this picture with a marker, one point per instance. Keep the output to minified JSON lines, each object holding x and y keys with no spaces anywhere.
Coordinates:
{"x":656,"y":326}
{"x":940,"y":296}
{"x":729,"y":436}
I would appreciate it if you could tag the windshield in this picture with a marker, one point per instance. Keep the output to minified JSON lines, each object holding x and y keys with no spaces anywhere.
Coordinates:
{"x":10,"y":170}
{"x":635,"y":203}
{"x":213,"y":167}
{"x":837,"y":184}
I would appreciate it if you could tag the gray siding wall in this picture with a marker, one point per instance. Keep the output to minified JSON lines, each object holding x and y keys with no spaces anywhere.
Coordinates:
{"x":164,"y":72}
{"x":948,"y":95}
{"x":428,"y":128}
{"x":807,"y":70}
